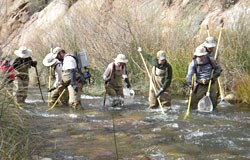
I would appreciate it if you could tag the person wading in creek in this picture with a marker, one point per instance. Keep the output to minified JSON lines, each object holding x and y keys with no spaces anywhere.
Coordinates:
{"x":161,"y":78}
{"x":55,"y":60}
{"x":113,"y":76}
{"x":202,"y":66}
{"x":72,"y":79}
{"x":7,"y":74}
{"x":210,"y":46}
{"x":22,"y":64}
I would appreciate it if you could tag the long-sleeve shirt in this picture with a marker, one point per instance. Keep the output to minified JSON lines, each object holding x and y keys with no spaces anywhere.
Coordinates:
{"x":203,"y":69}
{"x":8,"y":71}
{"x":153,"y":61}
{"x":110,"y":68}
{"x":58,"y":73}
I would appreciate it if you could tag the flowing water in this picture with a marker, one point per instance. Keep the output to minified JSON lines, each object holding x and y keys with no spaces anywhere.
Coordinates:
{"x":134,"y":132}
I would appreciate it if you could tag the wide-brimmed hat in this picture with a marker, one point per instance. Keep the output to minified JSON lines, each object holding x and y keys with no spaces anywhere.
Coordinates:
{"x":161,"y":55}
{"x":49,"y":59}
{"x":121,"y":58}
{"x":57,"y":50}
{"x":200,"y":51}
{"x":23,"y":52}
{"x":209,"y":42}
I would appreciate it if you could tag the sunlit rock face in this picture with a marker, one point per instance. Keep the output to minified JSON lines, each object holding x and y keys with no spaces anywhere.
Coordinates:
{"x":36,"y":22}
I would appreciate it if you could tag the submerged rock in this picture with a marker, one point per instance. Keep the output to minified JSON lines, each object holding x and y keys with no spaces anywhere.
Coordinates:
{"x":232,"y":98}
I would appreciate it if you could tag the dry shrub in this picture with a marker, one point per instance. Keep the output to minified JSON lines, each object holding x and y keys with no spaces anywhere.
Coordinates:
{"x":242,"y":88}
{"x":104,"y":31}
{"x":111,"y":27}
{"x":235,"y":53}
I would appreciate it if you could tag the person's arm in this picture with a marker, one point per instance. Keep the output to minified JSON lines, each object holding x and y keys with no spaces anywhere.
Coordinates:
{"x":168,"y":79}
{"x":17,"y":62}
{"x":217,"y":72}
{"x":149,"y":58}
{"x":32,"y":63}
{"x":125,"y":77}
{"x":58,"y":75}
{"x":191,"y":71}
{"x":107,"y":74}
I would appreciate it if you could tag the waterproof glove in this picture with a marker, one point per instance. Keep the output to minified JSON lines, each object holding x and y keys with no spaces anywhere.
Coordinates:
{"x":128,"y":83}
{"x":72,"y":74}
{"x":33,"y":63}
{"x":189,"y":85}
{"x":159,"y":92}
{"x":204,"y":81}
{"x":75,"y":87}
{"x":51,"y":89}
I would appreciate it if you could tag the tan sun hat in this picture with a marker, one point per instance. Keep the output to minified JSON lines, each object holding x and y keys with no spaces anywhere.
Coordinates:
{"x":57,"y":50}
{"x":161,"y":55}
{"x":121,"y":58}
{"x":209,"y":42}
{"x":200,"y":51}
{"x":49,"y":59}
{"x":23,"y":52}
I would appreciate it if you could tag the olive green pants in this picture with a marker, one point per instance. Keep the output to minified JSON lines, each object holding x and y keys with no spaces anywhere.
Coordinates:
{"x":74,"y":97}
{"x":165,"y":99}
{"x":56,"y":93}
{"x":201,"y":90}
{"x":21,"y":88}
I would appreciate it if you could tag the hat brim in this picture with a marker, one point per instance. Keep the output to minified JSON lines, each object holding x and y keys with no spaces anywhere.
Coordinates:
{"x":121,"y":60}
{"x":200,"y":54}
{"x":47,"y":57}
{"x":209,"y":45}
{"x":48,"y":64}
{"x":20,"y":54}
{"x":162,"y":58}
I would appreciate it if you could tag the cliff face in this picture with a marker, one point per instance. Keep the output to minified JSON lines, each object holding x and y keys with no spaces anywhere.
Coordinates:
{"x":39,"y":24}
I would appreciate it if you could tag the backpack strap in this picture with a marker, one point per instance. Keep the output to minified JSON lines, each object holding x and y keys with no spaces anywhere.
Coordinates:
{"x":209,"y":62}
{"x":113,"y":70}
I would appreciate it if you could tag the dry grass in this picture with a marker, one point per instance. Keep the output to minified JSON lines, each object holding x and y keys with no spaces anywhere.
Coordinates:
{"x":242,"y":88}
{"x":236,"y":57}
{"x":17,"y":140}
{"x":104,"y":31}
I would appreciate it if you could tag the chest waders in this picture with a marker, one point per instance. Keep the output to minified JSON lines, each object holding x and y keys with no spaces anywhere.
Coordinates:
{"x":158,"y":77}
{"x":114,"y":87}
{"x":21,"y":82}
{"x":206,"y":102}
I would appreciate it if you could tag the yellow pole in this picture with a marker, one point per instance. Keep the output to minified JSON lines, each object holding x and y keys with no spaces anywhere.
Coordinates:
{"x":218,"y":79}
{"x":158,"y":99}
{"x":190,"y":98}
{"x":56,"y":101}
{"x":50,"y":70}
{"x":215,"y":57}
{"x":16,"y":103}
{"x":208,"y":33}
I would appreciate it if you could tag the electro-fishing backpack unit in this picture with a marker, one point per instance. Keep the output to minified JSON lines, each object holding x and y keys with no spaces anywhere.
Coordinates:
{"x":83,"y":63}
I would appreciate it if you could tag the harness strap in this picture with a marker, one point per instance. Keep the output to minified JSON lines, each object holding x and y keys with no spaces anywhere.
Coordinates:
{"x":209,"y":62}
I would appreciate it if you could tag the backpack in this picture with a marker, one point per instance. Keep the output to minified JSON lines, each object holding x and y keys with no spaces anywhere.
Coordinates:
{"x":209,"y":62}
